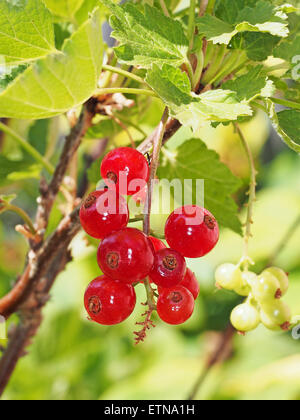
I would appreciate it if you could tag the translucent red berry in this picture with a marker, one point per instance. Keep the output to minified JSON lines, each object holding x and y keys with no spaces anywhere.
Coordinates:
{"x":126,"y":255}
{"x":192,"y":230}
{"x":168,"y":269}
{"x":157,"y":243}
{"x":189,"y":282}
{"x":108,"y":301}
{"x":122,"y":167}
{"x":103,"y":212}
{"x":175,"y":306}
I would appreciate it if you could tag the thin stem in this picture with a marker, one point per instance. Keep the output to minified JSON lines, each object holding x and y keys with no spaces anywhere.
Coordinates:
{"x":210,"y":7}
{"x":228,"y":66}
{"x":23,"y":215}
{"x":125,"y":128}
{"x":215,"y":64}
{"x":132,"y":91}
{"x":259,"y":106}
{"x":164,"y":8}
{"x":190,"y":71}
{"x":209,"y":53}
{"x":157,"y":144}
{"x":26,"y":146}
{"x":199,"y":69}
{"x":252,"y":196}
{"x":281,"y":66}
{"x":284,"y":241}
{"x":132,"y":124}
{"x":220,"y":353}
{"x":125,"y":73}
{"x":191,"y":24}
{"x":286,"y":103}
{"x":136,"y":219}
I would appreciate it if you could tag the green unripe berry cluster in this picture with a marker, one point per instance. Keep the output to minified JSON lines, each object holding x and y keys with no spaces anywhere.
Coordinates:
{"x":263,"y":292}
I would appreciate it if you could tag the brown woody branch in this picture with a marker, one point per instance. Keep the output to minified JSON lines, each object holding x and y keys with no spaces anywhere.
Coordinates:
{"x":221,"y":352}
{"x":45,"y":260}
{"x":49,"y":193}
{"x":171,"y":128}
{"x":31,"y":318}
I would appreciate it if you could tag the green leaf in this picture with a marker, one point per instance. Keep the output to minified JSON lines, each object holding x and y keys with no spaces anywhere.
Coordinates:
{"x":26,"y":31}
{"x":289,"y":120}
{"x":7,"y":198}
{"x":261,"y":17}
{"x":215,"y":29}
{"x":228,"y":10}
{"x":32,"y":172}
{"x":193,"y":110}
{"x":8,"y":77}
{"x":171,"y":84}
{"x":287,"y":125}
{"x":147,"y":37}
{"x":60,"y":81}
{"x":86,"y":8}
{"x":215,"y":105}
{"x":287,"y":50}
{"x":8,"y":166}
{"x":4,"y":200}
{"x":63,"y":8}
{"x":193,"y":160}
{"x":93,"y":172}
{"x":105,"y":128}
{"x":258,"y":46}
{"x":250,"y":85}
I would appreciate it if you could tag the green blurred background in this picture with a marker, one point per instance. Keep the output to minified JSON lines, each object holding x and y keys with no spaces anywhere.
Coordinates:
{"x":72,"y":358}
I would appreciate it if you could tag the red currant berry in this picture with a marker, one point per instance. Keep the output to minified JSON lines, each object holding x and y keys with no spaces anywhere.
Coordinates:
{"x":168,"y":269}
{"x":126,"y":255}
{"x":108,"y":301}
{"x":189,"y":282}
{"x":192,"y":231}
{"x":103,"y":212}
{"x":157,"y":244}
{"x":175,"y":306}
{"x":123,"y":166}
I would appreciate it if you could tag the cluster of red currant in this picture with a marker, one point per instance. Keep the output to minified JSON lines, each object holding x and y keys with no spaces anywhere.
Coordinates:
{"x":126,"y":256}
{"x":263,"y":303}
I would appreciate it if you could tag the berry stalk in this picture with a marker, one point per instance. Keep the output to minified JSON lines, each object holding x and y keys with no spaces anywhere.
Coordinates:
{"x":157,"y":144}
{"x":252,"y":197}
{"x":20,"y":212}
